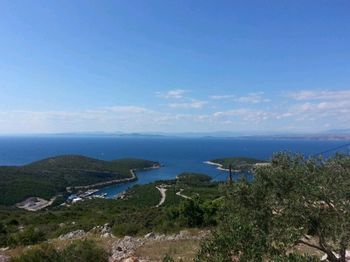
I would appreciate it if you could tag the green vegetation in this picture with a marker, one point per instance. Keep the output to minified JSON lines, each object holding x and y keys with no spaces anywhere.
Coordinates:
{"x":293,"y":206}
{"x":137,"y":214}
{"x":193,"y":179}
{"x":295,"y":201}
{"x":238,"y":163}
{"x":51,"y":176}
{"x":78,"y":251}
{"x":28,"y":236}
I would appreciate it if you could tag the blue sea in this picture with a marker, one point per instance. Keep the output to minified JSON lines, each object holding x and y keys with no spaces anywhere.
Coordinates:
{"x":177,"y":155}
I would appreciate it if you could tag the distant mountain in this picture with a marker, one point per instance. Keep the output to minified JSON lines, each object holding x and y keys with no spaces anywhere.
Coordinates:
{"x":334,"y":134}
{"x":338,"y":131}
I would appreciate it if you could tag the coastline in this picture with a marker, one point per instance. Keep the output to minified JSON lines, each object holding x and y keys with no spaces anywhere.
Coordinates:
{"x":107,"y":183}
{"x":116,"y":181}
{"x":219,"y":166}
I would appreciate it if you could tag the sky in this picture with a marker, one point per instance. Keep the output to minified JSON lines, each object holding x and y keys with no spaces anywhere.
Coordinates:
{"x":174,"y":66}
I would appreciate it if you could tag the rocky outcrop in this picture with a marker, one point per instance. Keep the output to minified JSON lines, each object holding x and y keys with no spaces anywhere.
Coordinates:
{"x":72,"y":235}
{"x":184,"y":234}
{"x":124,"y":249}
{"x":4,"y":258}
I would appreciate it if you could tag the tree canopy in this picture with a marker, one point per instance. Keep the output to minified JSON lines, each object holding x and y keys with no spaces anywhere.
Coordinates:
{"x":294,"y":201}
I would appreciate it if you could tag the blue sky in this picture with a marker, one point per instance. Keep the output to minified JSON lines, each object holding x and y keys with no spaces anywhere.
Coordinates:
{"x":174,"y":66}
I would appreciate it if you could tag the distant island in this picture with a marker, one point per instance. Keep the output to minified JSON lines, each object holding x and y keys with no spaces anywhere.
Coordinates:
{"x":241,"y":164}
{"x":48,"y":177}
{"x":331,"y":135}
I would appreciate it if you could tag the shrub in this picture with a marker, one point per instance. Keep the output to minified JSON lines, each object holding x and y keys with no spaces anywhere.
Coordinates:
{"x":79,"y":251}
{"x":168,"y":258}
{"x":126,"y":229}
{"x":44,"y":253}
{"x":29,"y":236}
{"x":84,"y":251}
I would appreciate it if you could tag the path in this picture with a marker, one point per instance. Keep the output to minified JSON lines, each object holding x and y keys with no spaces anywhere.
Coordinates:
{"x":181,"y":195}
{"x":162,"y":191}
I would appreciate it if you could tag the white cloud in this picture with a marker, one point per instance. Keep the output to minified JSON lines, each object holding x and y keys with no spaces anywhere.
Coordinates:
{"x":128,"y":109}
{"x":320,"y":95}
{"x":253,"y":98}
{"x":222,"y":97}
{"x":308,"y":110}
{"x":245,"y":114}
{"x":173,"y":94}
{"x":317,"y":105}
{"x":194,"y":104}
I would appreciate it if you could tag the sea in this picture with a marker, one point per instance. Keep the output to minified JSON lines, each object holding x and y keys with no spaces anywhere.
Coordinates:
{"x":176,"y":155}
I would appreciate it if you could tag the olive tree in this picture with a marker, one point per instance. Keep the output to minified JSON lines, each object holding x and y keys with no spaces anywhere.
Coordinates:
{"x":293,"y":201}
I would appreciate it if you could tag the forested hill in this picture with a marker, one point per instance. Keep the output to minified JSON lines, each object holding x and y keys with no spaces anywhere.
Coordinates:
{"x":46,"y":178}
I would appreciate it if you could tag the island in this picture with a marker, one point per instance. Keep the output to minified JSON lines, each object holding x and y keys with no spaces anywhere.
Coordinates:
{"x":238,"y":164}
{"x":53,"y":176}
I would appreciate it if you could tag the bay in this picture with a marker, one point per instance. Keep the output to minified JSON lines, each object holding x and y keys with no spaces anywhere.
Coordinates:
{"x":177,"y":155}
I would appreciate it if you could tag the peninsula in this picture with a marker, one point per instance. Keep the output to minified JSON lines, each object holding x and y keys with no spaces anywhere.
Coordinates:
{"x":48,"y":177}
{"x":239,"y":164}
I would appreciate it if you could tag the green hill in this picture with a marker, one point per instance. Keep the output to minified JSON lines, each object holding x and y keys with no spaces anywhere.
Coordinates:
{"x":238,"y":163}
{"x":46,"y":178}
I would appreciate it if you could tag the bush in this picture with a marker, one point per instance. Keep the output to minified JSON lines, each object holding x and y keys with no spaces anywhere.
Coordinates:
{"x":126,"y":229}
{"x":29,"y":236}
{"x":79,"y":251}
{"x":44,"y":253}
{"x":84,"y":251}
{"x":168,"y":258}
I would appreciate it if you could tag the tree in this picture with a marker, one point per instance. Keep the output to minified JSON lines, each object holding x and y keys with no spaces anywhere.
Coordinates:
{"x":287,"y":202}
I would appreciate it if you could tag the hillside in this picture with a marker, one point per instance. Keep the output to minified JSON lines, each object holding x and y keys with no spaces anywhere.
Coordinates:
{"x":238,"y":163}
{"x":135,"y":215}
{"x":47,"y":177}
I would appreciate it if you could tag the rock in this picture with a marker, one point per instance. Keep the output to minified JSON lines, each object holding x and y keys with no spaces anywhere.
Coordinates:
{"x":106,"y":229}
{"x":347,"y":256}
{"x":125,"y":248}
{"x":159,"y":237}
{"x":150,"y":235}
{"x":73,"y":234}
{"x":131,"y":259}
{"x":184,"y":234}
{"x":4,"y":258}
{"x":107,"y":235}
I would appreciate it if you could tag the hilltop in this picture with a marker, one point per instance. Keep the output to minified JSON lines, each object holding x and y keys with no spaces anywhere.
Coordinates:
{"x":48,"y":177}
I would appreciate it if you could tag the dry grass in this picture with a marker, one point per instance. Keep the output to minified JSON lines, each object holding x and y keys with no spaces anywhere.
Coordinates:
{"x":179,"y":250}
{"x":105,"y":243}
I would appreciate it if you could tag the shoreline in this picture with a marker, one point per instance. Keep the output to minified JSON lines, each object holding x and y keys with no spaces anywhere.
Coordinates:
{"x":219,"y":166}
{"x":30,"y":205}
{"x":116,"y":181}
{"x":107,"y":183}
